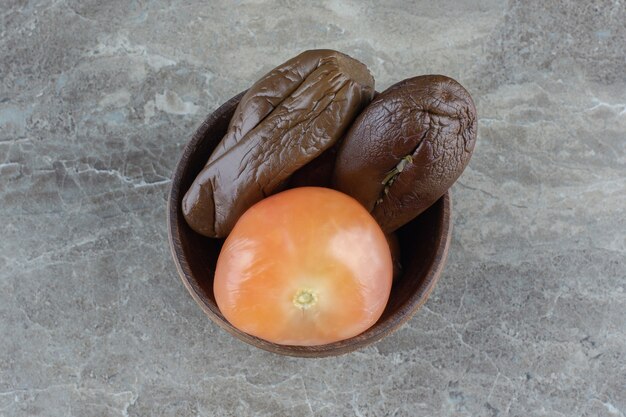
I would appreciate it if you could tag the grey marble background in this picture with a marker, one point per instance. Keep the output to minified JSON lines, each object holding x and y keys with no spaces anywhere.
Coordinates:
{"x":97,"y":99}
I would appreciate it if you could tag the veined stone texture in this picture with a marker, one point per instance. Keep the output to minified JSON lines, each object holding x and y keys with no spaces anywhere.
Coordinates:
{"x":97,"y":100}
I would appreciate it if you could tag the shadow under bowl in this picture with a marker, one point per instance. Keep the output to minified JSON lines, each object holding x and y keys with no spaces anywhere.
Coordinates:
{"x":424,"y":246}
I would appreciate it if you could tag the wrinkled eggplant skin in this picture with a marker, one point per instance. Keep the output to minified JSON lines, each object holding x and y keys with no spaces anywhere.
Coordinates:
{"x":407,"y":147}
{"x":287,"y":119}
{"x":267,"y":94}
{"x":317,"y":173}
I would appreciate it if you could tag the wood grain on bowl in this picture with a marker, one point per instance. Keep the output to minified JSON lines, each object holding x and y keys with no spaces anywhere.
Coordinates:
{"x":424,"y":246}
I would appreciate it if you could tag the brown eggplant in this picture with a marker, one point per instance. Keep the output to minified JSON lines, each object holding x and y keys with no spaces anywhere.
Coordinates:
{"x":287,"y":119}
{"x":407,"y":147}
{"x":317,"y":173}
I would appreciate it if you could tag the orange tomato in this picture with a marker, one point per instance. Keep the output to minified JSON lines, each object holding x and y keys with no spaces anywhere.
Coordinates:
{"x":307,"y":266}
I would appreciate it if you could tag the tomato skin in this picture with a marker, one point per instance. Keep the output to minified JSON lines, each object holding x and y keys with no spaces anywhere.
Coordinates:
{"x":307,"y":266}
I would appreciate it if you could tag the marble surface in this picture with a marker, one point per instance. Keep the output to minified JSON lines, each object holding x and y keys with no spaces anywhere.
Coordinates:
{"x":98,"y":98}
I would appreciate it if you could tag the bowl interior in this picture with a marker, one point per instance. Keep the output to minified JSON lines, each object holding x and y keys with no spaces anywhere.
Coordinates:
{"x":424,"y":246}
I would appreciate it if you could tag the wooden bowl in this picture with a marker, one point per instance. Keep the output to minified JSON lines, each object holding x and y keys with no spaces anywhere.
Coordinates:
{"x":424,"y":246}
